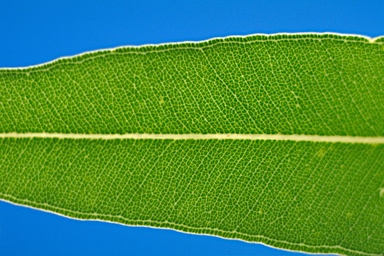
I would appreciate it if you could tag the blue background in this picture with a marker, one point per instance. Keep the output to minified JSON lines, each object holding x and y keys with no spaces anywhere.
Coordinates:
{"x":33,"y":32}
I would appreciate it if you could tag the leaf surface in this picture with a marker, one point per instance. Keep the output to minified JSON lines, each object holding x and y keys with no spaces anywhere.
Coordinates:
{"x":274,"y":139}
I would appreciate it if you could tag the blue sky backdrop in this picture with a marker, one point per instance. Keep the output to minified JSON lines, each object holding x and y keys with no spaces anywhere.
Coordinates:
{"x":32,"y":32}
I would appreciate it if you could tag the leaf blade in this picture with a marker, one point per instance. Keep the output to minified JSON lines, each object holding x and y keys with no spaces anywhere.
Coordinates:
{"x":325,"y":85}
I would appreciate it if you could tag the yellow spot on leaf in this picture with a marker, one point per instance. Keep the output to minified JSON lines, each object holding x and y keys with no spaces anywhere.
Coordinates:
{"x":321,"y":152}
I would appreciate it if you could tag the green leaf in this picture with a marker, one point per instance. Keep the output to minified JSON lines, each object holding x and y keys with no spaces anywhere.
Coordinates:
{"x":274,"y":139}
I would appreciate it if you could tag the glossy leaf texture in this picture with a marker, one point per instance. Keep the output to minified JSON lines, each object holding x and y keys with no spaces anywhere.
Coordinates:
{"x":300,"y":194}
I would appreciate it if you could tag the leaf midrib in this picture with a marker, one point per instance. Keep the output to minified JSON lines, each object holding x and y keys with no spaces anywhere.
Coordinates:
{"x":228,"y":136}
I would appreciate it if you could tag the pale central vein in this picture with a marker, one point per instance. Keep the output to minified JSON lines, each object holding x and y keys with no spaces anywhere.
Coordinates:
{"x":138,"y":136}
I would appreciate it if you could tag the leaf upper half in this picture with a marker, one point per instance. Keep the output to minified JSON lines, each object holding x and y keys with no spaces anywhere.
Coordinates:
{"x":289,"y":84}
